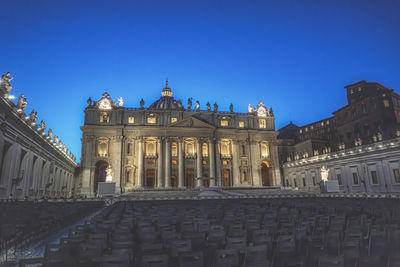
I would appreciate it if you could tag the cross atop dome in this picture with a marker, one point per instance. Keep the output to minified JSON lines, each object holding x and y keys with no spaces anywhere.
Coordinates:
{"x":166,"y":91}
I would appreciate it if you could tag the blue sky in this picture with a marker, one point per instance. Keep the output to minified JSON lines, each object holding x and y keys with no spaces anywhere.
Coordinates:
{"x":296,"y":56}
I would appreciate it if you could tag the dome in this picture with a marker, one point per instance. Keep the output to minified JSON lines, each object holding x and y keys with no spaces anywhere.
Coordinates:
{"x":166,"y":100}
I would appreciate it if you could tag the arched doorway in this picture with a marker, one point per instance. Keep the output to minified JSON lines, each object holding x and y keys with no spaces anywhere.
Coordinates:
{"x":226,"y":178}
{"x":150,"y":177}
{"x":99,"y":174}
{"x":265,"y":174}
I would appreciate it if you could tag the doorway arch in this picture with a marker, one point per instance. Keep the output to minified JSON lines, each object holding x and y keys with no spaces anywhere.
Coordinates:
{"x":266,"y":173}
{"x":226,"y":178}
{"x":99,"y":174}
{"x":150,"y":178}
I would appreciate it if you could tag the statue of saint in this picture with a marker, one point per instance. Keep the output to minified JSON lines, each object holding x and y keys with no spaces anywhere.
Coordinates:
{"x":109,"y":174}
{"x":250,"y":109}
{"x":33,"y":116}
{"x":271,"y":112}
{"x":50,"y":133}
{"x":56,"y":139}
{"x":22,"y":102}
{"x":60,"y":144}
{"x":120,"y":102}
{"x":142,"y":104}
{"x":197,"y":105}
{"x":89,"y":102}
{"x":64,"y":148}
{"x":43,"y":125}
{"x":231,"y":108}
{"x":215,"y":107}
{"x":5,"y":82}
{"x":208,"y":106}
{"x":189,"y":106}
{"x":324,"y":174}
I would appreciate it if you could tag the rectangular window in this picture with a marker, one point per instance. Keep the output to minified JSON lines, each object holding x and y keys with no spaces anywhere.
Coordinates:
{"x":262,"y":123}
{"x":396,"y":173}
{"x":313,"y":180}
{"x":151,"y":120}
{"x":386,"y":103}
{"x":304,"y":182}
{"x":241,"y":124}
{"x":355,"y":178}
{"x":131,"y":120}
{"x":339,"y":178}
{"x":374,"y":177}
{"x":204,"y":162}
{"x":173,"y":162}
{"x":224,"y":123}
{"x":174,"y":120}
{"x":295,"y":182}
{"x":224,"y":162}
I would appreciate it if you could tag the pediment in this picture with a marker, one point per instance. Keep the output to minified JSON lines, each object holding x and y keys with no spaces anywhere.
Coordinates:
{"x":192,"y":122}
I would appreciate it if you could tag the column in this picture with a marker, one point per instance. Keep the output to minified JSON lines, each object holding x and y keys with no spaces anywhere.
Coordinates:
{"x":116,"y":162}
{"x":180,"y":166}
{"x":159,"y":163}
{"x":140,"y":163}
{"x":255,"y":156}
{"x":217,"y":164}
{"x":235,"y":163}
{"x":199,"y":161}
{"x":167,"y":163}
{"x":211,"y":156}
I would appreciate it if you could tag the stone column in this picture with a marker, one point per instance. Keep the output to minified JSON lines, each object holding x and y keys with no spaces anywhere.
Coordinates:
{"x":167,"y":163}
{"x":211,"y":155}
{"x":88,"y":166}
{"x":159,"y":163}
{"x":140,"y":163}
{"x":116,"y":162}
{"x":235,"y":163}
{"x":255,"y":156}
{"x":180,"y":166}
{"x":199,"y":161}
{"x":218,"y":170}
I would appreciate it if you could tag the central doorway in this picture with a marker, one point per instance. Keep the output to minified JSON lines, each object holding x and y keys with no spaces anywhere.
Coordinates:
{"x":265,"y":174}
{"x":226,"y":178}
{"x":150,"y":178}
{"x":189,"y":178}
{"x":99,"y":174}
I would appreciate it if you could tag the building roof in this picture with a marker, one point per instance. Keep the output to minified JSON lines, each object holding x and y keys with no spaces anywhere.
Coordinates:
{"x":167,"y":101}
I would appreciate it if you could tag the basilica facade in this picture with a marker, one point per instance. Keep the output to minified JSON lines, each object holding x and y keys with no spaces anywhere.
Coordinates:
{"x":167,"y":145}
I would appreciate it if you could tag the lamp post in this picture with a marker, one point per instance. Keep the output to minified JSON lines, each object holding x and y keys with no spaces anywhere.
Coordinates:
{"x":15,"y":182}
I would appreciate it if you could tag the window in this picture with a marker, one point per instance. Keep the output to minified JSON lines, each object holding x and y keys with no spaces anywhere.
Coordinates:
{"x":224,"y":123}
{"x":129,"y":149}
{"x":131,"y":120}
{"x":355,"y":178}
{"x":396,"y":173}
{"x":225,"y":149}
{"x":304,"y":181}
{"x":151,"y":149}
{"x":386,"y":103}
{"x":262,"y":123}
{"x":205,"y":149}
{"x":102,"y":147}
{"x":189,"y":149}
{"x":313,"y":180}
{"x":174,"y":149}
{"x":351,"y":91}
{"x":104,"y":117}
{"x":204,"y":162}
{"x":264,"y":150}
{"x":224,"y":162}
{"x":173,"y":162}
{"x":151,"y":120}
{"x":241,"y":124}
{"x":243,"y":150}
{"x":339,"y":178}
{"x":295,"y":182}
{"x":174,"y":120}
{"x":374,"y":177}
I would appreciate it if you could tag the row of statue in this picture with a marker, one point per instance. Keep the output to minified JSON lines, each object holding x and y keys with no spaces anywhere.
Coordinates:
{"x":6,"y":87}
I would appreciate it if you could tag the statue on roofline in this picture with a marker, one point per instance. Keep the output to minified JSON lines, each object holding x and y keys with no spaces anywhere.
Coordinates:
{"x":189,"y":105}
{"x":43,"y":125}
{"x":250,"y":109}
{"x":89,"y":102}
{"x":33,"y":116}
{"x":142,"y":104}
{"x":50,"y":133}
{"x":231,"y":108}
{"x":5,"y":82}
{"x":197,"y":105}
{"x":120,"y":102}
{"x":22,"y":102}
{"x":208,"y":107}
{"x":215,"y":107}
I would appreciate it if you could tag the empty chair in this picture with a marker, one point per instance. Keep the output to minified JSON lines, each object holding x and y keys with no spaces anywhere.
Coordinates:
{"x":226,"y":258}
{"x":331,"y":261}
{"x":160,"y":260}
{"x":257,"y":256}
{"x":178,"y":246}
{"x":238,"y":243}
{"x":191,"y":259}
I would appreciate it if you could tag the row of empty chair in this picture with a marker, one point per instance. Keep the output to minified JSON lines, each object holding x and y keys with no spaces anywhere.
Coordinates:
{"x":24,"y":221}
{"x":244,"y":232}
